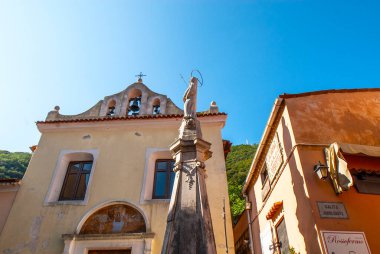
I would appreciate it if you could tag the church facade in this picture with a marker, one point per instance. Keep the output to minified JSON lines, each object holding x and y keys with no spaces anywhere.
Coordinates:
{"x":101,"y":181}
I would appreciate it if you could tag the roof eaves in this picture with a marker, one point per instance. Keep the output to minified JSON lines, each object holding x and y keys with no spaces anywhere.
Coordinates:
{"x":276,"y":111}
{"x":9,"y":181}
{"x":125,"y":118}
{"x":289,"y":96}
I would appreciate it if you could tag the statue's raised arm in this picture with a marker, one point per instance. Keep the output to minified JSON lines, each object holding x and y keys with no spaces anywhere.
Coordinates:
{"x":190,"y":99}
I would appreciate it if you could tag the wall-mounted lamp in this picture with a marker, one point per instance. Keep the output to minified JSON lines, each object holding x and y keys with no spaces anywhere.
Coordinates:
{"x":321,"y":170}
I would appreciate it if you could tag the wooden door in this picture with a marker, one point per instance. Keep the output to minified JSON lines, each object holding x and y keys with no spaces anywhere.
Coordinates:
{"x":109,"y":252}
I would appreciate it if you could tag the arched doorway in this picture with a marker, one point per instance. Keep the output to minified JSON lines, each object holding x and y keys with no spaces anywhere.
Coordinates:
{"x":114,"y":228}
{"x":109,"y":251}
{"x":117,"y":218}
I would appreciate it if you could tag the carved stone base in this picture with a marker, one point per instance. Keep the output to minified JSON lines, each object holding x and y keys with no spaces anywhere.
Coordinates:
{"x":190,"y":129}
{"x":189,"y":227}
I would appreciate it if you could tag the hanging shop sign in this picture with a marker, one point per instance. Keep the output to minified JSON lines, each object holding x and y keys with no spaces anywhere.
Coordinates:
{"x":336,"y":242}
{"x":334,"y":210}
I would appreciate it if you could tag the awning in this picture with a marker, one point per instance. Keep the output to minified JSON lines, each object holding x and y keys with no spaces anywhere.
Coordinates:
{"x":373,"y":151}
{"x":357,"y":171}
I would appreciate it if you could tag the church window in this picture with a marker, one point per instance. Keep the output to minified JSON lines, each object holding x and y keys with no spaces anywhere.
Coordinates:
{"x":163,"y":179}
{"x":111,"y":108}
{"x":76,"y":180}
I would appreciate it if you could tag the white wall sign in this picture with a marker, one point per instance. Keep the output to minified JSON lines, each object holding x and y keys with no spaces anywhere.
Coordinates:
{"x":337,"y":242}
{"x":274,"y":158}
{"x":332,"y":210}
{"x":266,"y":239}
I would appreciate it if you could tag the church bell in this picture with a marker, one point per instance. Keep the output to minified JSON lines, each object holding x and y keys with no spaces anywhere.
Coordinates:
{"x":156,"y":109}
{"x":135,"y":105}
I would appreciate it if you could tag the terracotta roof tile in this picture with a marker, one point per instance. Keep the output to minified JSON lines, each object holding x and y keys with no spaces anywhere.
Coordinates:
{"x":273,"y":210}
{"x":121,"y":118}
{"x":9,"y":181}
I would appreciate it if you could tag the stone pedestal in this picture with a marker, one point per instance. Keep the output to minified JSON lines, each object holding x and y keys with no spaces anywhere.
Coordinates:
{"x":189,"y":227}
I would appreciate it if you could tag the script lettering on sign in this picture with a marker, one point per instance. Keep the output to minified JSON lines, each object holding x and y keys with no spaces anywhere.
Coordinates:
{"x":274,"y":158}
{"x":336,"y":242}
{"x":332,"y":210}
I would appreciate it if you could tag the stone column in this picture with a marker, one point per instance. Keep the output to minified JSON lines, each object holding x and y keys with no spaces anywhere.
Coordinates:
{"x":189,"y":227}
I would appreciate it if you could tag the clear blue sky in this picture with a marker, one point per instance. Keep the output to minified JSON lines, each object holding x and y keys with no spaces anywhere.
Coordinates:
{"x":73,"y":53}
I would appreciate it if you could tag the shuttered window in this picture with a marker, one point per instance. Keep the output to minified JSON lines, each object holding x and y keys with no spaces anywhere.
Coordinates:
{"x":282,"y":237}
{"x":75,"y":184}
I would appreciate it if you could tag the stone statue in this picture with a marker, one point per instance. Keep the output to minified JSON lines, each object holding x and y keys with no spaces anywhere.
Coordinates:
{"x":190,"y":99}
{"x":190,"y":126}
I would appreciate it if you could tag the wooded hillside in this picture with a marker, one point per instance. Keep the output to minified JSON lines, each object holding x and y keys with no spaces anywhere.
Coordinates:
{"x":13,"y":165}
{"x":237,"y":163}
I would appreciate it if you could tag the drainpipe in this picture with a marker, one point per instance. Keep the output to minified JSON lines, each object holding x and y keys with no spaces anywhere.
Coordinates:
{"x":225,"y":224}
{"x":249,"y":224}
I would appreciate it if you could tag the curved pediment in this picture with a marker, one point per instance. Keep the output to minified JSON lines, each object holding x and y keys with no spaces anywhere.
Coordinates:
{"x":136,"y":99}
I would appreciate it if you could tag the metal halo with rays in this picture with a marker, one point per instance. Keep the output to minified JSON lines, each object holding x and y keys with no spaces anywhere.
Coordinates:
{"x":200,"y":75}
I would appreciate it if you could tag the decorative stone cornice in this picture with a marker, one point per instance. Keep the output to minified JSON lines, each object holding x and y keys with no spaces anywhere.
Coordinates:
{"x":123,"y":122}
{"x":83,"y":237}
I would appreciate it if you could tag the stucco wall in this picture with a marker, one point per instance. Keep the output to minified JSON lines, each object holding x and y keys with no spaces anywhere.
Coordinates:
{"x":33,"y":227}
{"x":292,"y":191}
{"x":241,"y":226}
{"x":362,"y":209}
{"x":7,"y":196}
{"x":351,"y":117}
{"x":324,"y":118}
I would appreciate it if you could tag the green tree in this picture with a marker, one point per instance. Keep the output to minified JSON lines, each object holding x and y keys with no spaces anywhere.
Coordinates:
{"x":13,"y":165}
{"x":238,"y":163}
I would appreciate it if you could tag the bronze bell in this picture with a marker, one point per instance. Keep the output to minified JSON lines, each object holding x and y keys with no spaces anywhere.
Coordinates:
{"x":135,"y":105}
{"x":156,"y":109}
{"x":111,"y":111}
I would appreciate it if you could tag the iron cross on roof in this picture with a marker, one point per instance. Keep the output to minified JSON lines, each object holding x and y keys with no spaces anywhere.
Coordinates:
{"x":140,"y":75}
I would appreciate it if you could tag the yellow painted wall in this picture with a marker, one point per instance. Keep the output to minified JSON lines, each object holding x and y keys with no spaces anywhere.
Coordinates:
{"x":7,"y":196}
{"x":118,"y":175}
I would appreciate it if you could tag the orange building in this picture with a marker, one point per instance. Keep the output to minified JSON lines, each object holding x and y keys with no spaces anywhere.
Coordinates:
{"x":314,"y":183}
